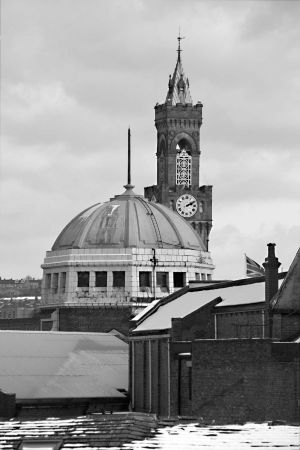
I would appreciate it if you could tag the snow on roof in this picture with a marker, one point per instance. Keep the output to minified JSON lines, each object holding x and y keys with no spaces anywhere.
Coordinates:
{"x":145,"y":310}
{"x":178,"y":308}
{"x":191,"y":300}
{"x":41,"y":364}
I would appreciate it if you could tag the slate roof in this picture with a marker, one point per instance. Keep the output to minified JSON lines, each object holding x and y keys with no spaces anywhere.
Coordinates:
{"x":288,"y":296}
{"x":85,"y":432}
{"x":39,"y":364}
{"x":179,"y":90}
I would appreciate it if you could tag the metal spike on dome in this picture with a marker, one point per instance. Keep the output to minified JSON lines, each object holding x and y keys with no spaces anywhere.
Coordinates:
{"x":129,"y":186}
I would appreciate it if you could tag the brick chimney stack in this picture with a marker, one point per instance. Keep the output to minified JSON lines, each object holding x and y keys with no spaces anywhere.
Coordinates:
{"x":271,"y":266}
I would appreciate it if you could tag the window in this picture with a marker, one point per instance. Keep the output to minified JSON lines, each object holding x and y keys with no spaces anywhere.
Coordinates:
{"x":55,"y":283}
{"x":48,"y":281}
{"x":63,"y":277}
{"x":101,"y":279}
{"x":145,"y":280}
{"x":119,"y":279}
{"x":162,"y":280}
{"x":203,"y":276}
{"x":183,"y":164}
{"x":179,"y":279}
{"x":209,"y":276}
{"x":197,"y":276}
{"x":83,"y":279}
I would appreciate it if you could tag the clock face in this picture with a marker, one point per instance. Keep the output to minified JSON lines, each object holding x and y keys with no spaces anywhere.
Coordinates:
{"x":186,"y":205}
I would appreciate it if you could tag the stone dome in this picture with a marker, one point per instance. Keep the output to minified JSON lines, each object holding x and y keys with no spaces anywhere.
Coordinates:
{"x":128,"y":220}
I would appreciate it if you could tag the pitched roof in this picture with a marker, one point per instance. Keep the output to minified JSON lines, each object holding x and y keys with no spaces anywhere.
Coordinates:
{"x":184,"y":302}
{"x":288,"y":296}
{"x":39,"y":364}
{"x":178,"y":308}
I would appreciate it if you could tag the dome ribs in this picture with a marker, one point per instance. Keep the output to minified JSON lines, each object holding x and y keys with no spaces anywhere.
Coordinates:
{"x":153,"y":220}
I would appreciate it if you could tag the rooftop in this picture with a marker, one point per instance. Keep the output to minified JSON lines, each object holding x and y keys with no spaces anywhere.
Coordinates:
{"x":39,"y":364}
{"x":182,"y":303}
{"x":128,"y":220}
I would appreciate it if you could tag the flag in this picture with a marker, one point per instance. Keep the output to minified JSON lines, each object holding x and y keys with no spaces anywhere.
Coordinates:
{"x":253,"y":269}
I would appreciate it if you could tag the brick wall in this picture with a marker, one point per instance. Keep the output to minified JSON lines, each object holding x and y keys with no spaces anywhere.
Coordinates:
{"x":102,"y":319}
{"x":289,"y":325}
{"x":31,"y":324}
{"x":244,"y":380}
{"x":185,"y":388}
{"x":150,"y":375}
{"x":243,"y":322}
{"x":199,"y":324}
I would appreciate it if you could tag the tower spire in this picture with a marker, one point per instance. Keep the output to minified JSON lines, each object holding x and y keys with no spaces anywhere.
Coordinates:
{"x":179,"y":38}
{"x":178,"y":86}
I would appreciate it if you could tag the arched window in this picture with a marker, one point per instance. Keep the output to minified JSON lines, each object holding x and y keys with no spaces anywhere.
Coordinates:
{"x":183,"y":164}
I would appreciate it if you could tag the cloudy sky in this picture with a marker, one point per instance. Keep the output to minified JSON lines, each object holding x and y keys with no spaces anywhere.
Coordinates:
{"x":75,"y":73}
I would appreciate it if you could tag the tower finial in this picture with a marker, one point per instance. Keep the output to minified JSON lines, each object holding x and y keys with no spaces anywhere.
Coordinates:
{"x":179,"y":38}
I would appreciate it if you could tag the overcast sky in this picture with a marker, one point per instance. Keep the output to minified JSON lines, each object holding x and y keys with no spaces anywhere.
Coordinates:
{"x":75,"y":73}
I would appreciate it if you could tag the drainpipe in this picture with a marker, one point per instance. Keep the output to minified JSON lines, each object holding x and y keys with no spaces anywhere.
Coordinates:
{"x":271,"y":266}
{"x":154,"y":260}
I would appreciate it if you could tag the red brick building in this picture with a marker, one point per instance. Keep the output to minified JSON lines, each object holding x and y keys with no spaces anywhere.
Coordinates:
{"x":209,"y":352}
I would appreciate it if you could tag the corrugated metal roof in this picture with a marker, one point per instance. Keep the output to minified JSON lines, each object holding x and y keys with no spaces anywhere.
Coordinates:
{"x":62,"y":365}
{"x":192,"y":300}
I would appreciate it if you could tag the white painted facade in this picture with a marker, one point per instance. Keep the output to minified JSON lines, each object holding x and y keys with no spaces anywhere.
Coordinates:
{"x":193,"y":264}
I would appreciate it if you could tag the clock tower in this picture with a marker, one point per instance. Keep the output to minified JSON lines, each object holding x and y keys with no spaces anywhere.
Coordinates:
{"x":178,"y":123}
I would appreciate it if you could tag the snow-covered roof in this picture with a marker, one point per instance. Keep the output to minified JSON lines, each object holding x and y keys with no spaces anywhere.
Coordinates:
{"x":191,"y":300}
{"x":178,"y":308}
{"x":39,"y":364}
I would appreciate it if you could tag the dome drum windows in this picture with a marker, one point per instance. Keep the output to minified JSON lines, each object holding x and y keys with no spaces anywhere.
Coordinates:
{"x":83,"y":279}
{"x":145,"y":281}
{"x":48,"y":281}
{"x":101,"y":279}
{"x":55,"y":283}
{"x":62,"y":282}
{"x":179,"y":279}
{"x":162,"y":281}
{"x":119,"y":279}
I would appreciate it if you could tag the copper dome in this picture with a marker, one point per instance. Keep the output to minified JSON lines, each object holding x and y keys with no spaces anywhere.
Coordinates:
{"x":128,"y":220}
